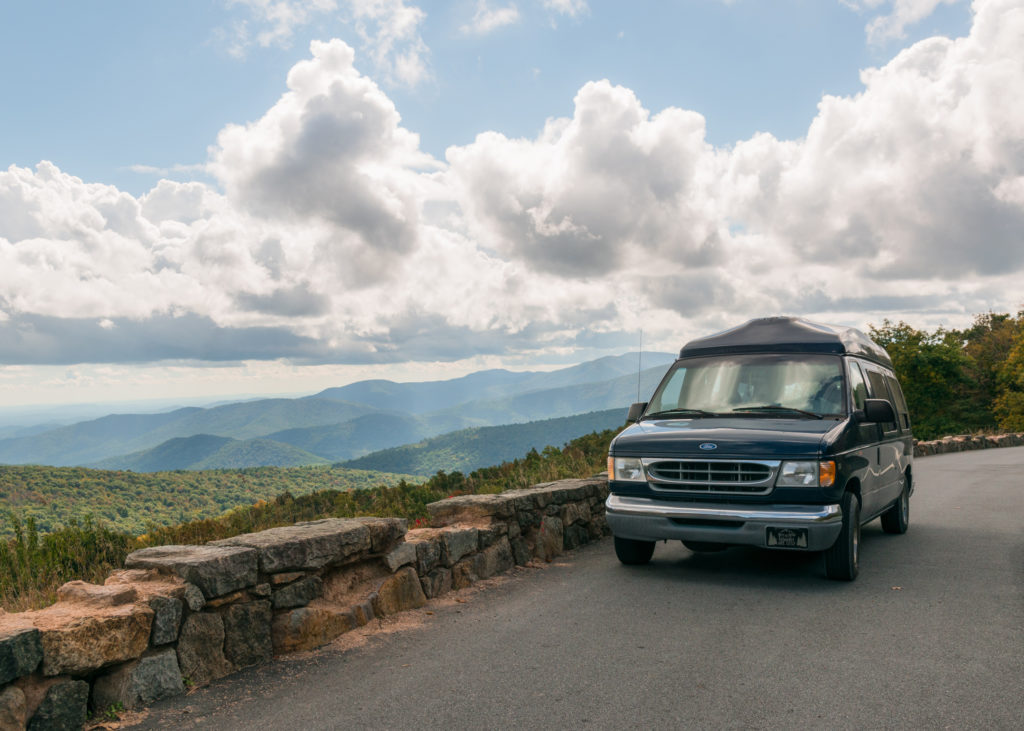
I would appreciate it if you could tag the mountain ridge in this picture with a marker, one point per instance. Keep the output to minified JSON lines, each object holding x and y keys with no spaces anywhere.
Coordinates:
{"x":210,"y":452}
{"x":469,"y":449}
{"x":327,"y":426}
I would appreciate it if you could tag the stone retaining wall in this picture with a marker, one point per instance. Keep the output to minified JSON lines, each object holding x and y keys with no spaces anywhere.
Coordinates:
{"x":183,"y":615}
{"x":965,"y":442}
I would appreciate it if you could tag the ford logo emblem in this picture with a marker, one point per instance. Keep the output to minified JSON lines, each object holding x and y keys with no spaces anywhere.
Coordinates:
{"x":708,"y":446}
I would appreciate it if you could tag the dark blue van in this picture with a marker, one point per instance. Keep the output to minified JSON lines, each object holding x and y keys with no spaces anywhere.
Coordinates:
{"x":780,"y":433}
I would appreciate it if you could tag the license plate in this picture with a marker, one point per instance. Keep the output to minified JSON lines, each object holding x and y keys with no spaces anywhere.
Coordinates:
{"x":787,"y":537}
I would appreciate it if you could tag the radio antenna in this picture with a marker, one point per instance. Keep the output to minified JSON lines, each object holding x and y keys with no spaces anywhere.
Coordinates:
{"x":639,"y":361}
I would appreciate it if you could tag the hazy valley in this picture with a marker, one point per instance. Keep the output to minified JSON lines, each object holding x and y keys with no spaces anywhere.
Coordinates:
{"x":355,"y":421}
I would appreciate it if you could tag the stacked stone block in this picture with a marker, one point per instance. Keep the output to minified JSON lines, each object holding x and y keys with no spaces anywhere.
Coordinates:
{"x":966,"y":442}
{"x":177,"y":616}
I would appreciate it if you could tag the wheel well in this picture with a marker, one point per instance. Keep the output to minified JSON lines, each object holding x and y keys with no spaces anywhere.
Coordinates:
{"x":854,"y":486}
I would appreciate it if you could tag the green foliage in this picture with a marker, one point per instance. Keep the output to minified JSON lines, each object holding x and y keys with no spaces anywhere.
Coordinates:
{"x":1009,"y":401}
{"x":34,"y":564}
{"x":133,"y":501}
{"x":988,"y":344}
{"x":583,"y":456}
{"x":959,"y":381}
{"x":932,"y":371}
{"x":110,"y":713}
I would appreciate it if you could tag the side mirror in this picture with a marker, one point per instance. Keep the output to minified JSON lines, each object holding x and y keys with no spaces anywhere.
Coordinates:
{"x":635,"y":412}
{"x":879,"y":410}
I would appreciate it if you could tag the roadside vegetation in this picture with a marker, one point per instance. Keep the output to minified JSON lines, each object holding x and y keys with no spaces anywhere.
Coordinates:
{"x":34,"y":563}
{"x":960,"y":381}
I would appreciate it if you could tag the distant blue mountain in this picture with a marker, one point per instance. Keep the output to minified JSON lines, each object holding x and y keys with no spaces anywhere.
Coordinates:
{"x":208,"y":452}
{"x":345,"y":422}
{"x":421,"y":397}
{"x":89,"y":442}
{"x":470,"y":449}
{"x":491,"y":385}
{"x":353,"y":438}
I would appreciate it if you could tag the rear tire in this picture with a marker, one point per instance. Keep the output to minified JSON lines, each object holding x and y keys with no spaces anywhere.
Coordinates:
{"x":632,"y":552}
{"x":705,"y":546}
{"x":896,"y":519}
{"x":842,"y":560}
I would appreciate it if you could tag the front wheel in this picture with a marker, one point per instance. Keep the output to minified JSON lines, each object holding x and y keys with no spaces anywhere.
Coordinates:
{"x":897,"y":518}
{"x":633,"y":552}
{"x":842,"y":560}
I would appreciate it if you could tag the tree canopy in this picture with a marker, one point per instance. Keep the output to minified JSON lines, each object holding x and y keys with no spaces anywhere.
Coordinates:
{"x":958,"y":381}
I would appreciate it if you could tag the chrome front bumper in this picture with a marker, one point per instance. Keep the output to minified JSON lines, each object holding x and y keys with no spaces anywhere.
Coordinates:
{"x":647,"y":519}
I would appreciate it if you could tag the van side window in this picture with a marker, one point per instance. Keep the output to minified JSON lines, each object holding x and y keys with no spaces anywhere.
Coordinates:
{"x":857,"y":388}
{"x":900,"y":404}
{"x":880,"y":390}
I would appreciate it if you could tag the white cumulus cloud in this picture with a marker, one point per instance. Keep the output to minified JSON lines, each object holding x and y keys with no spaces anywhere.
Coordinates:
{"x":335,"y":238}
{"x":332,"y":154}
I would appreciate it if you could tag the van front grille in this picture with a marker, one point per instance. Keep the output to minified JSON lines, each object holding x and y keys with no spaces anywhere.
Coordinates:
{"x":720,"y":476}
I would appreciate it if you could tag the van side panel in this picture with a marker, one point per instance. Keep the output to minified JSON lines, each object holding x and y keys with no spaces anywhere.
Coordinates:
{"x":890,"y":447}
{"x":863,"y":440}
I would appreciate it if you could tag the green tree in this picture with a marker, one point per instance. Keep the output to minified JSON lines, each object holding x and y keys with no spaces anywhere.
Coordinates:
{"x":1009,"y":402}
{"x":987,"y":345}
{"x":932,"y":370}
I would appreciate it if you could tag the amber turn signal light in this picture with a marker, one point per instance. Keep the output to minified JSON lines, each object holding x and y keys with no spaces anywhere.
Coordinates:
{"x":826,"y":473}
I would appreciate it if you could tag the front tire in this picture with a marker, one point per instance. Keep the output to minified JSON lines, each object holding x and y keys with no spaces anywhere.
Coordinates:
{"x":632,"y":552}
{"x":842,"y":560}
{"x":896,"y":519}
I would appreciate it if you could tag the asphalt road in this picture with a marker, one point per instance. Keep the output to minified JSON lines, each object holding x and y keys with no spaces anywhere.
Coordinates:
{"x":931,"y":635}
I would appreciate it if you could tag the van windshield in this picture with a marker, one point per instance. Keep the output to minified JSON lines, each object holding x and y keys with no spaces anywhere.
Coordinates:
{"x":756,"y":384}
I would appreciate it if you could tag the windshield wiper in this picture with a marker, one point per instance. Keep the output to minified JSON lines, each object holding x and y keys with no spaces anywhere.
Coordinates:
{"x":680,"y":412}
{"x":775,"y":407}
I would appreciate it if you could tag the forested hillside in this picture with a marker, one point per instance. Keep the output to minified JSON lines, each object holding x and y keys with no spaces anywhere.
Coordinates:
{"x":469,"y":449}
{"x":959,"y":381}
{"x":354,"y":438}
{"x":208,"y":452}
{"x":134,"y":501}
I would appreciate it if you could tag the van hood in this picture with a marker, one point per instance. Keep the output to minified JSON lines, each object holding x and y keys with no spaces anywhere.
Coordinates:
{"x":733,"y":437}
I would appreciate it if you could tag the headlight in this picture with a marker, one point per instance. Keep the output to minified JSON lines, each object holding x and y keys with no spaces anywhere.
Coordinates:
{"x":807,"y":474}
{"x":627,"y":469}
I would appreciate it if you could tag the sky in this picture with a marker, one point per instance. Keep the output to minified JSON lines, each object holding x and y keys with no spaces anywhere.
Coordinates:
{"x":226,"y":197}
